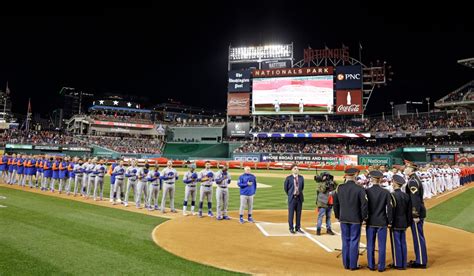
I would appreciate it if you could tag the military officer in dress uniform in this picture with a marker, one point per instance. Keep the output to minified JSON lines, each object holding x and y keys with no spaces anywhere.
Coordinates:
{"x":380,"y":216}
{"x":400,"y":222}
{"x":414,"y":189}
{"x":350,"y":208}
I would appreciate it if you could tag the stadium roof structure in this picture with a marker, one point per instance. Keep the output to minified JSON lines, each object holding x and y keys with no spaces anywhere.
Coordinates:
{"x":469,"y":62}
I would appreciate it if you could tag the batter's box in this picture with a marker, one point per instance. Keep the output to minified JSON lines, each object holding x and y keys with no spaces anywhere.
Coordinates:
{"x":327,"y":242}
{"x":271,"y":229}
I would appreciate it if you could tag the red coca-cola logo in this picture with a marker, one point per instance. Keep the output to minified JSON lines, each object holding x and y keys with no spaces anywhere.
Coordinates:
{"x":349,"y":102}
{"x":348,"y":108}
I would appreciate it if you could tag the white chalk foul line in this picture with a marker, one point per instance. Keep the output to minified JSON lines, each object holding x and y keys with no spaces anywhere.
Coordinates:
{"x":306,"y":234}
{"x":317,"y":242}
{"x":3,"y":206}
{"x":3,"y":197}
{"x":261,"y":229}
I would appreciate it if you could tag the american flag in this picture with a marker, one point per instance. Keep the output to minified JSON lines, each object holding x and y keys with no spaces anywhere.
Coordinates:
{"x":7,"y":90}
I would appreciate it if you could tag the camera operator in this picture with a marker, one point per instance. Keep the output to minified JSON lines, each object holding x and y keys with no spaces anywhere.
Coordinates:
{"x":324,"y":200}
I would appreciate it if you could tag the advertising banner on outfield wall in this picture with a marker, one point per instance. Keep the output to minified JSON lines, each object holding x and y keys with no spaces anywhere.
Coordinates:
{"x":238,"y":104}
{"x":371,"y":160}
{"x":333,"y":159}
{"x":247,"y":157}
{"x":349,"y":77}
{"x":239,"y":81}
{"x":464,"y":157}
{"x":349,"y":102}
{"x":18,"y":146}
{"x":238,"y":129}
{"x":46,"y":148}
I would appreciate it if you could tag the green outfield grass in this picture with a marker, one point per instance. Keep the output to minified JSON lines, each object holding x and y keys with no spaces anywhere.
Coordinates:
{"x":455,"y":212}
{"x":43,"y":235}
{"x":273,"y":197}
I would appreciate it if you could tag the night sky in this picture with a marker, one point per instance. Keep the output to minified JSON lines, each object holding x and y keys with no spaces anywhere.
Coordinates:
{"x":171,"y":52}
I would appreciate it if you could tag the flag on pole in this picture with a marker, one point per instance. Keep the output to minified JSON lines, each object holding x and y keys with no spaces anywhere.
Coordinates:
{"x":360,"y":45}
{"x":7,"y":90}
{"x":28,"y":115}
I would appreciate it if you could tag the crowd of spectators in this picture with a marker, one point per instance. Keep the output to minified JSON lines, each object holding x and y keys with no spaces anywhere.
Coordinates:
{"x":15,"y":136}
{"x":414,"y":123}
{"x":459,"y":95}
{"x":384,"y":124}
{"x":128,"y":144}
{"x":203,"y":122}
{"x":137,"y":118}
{"x":333,"y":146}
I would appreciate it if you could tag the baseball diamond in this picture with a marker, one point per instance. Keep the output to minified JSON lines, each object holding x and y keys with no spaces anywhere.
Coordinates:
{"x":240,"y":138}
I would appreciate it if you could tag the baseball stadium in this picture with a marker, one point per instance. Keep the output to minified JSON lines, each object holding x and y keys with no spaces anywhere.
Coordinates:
{"x":115,"y":184}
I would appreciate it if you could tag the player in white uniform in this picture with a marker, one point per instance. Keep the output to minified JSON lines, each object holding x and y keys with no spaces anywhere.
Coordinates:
{"x":423,"y":175}
{"x":168,"y":177}
{"x":99,"y":172}
{"x":386,"y":180}
{"x":438,"y":180}
{"x":363,"y":180}
{"x":79,"y":174}
{"x":85,"y":176}
{"x":190,"y":180}
{"x":456,"y":177}
{"x":431,"y":172}
{"x":223,"y":180}
{"x":91,"y":177}
{"x":131,"y":175}
{"x":206,"y":177}
{"x":119,"y":172}
{"x":154,"y":183}
{"x":142,"y":188}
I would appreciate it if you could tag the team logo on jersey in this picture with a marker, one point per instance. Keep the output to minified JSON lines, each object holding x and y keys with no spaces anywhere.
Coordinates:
{"x":413,"y":190}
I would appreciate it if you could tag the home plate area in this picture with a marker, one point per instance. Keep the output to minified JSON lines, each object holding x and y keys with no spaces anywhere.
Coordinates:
{"x":330,"y":243}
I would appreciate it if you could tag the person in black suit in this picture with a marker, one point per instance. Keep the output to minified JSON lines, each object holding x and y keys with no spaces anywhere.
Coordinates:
{"x":350,"y":208}
{"x":414,"y":189}
{"x":380,"y":217}
{"x":294,"y":186}
{"x":402,"y":219}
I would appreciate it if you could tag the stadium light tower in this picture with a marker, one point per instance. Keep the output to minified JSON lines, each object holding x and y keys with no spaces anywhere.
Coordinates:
{"x":428,"y":102}
{"x":260,"y":54}
{"x":391,"y":103}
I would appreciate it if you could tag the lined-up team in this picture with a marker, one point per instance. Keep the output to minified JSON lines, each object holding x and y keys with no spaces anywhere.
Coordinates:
{"x":85,"y":177}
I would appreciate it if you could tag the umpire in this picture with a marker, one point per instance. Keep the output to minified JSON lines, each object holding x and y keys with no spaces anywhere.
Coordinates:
{"x":414,"y":189}
{"x":350,"y":208}
{"x":380,"y":216}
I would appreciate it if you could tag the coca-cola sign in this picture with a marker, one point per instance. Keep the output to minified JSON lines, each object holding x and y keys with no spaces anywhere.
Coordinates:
{"x":353,"y":108}
{"x":349,"y":102}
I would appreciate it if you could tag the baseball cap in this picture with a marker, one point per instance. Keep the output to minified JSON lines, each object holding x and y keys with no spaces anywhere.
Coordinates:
{"x":376,"y":174}
{"x":351,"y":171}
{"x":398,"y":179}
